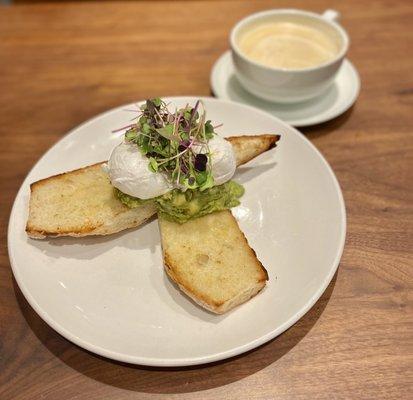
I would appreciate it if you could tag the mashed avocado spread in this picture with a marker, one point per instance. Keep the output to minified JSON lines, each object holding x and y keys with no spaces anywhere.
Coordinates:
{"x":181,"y":206}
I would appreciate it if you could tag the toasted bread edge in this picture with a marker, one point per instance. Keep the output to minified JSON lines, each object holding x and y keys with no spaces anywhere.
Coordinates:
{"x":268,"y":142}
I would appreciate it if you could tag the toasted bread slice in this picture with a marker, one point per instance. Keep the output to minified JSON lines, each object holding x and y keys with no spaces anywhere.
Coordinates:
{"x":210,"y":260}
{"x":248,"y":147}
{"x":82,"y":202}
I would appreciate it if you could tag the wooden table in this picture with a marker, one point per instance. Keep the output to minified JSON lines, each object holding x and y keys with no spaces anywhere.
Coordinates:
{"x":63,"y":63}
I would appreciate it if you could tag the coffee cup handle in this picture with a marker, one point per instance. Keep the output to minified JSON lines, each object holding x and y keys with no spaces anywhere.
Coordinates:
{"x":331,"y":15}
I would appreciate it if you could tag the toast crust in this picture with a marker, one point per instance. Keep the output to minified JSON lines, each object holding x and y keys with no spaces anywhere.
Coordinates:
{"x":247,"y":147}
{"x":72,"y":172}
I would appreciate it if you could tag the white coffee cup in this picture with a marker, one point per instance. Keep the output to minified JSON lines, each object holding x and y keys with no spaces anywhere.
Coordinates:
{"x":288,"y":85}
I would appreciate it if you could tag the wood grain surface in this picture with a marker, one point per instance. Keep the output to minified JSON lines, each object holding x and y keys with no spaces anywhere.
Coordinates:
{"x":62,"y":63}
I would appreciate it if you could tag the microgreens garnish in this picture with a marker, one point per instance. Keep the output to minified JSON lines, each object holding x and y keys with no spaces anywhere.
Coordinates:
{"x":176,"y":144}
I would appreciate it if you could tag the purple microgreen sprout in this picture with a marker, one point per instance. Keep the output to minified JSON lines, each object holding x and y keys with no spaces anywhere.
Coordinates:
{"x":123,"y":128}
{"x":200,"y":162}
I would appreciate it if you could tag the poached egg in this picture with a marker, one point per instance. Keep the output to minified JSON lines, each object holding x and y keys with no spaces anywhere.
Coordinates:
{"x":128,"y":169}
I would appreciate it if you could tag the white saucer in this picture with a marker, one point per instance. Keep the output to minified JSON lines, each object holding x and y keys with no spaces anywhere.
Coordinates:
{"x":338,"y":99}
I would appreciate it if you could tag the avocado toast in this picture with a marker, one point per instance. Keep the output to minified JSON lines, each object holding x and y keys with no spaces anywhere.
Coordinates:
{"x":175,"y":166}
{"x":83,"y":202}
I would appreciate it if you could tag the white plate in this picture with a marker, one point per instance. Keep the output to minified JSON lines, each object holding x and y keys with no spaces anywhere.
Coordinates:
{"x":111,"y":296}
{"x":334,"y":102}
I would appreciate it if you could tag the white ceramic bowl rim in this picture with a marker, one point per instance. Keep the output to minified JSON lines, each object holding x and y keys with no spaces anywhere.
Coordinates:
{"x":284,"y":11}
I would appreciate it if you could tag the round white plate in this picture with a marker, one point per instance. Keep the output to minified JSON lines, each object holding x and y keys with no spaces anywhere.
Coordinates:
{"x":110,"y":294}
{"x":334,"y":102}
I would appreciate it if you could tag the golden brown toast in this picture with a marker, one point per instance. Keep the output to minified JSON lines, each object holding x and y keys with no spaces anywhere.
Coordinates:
{"x":210,"y":260}
{"x":248,"y":147}
{"x":82,"y":202}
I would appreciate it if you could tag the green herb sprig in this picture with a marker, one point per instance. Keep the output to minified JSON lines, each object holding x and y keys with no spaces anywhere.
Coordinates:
{"x":176,"y":144}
